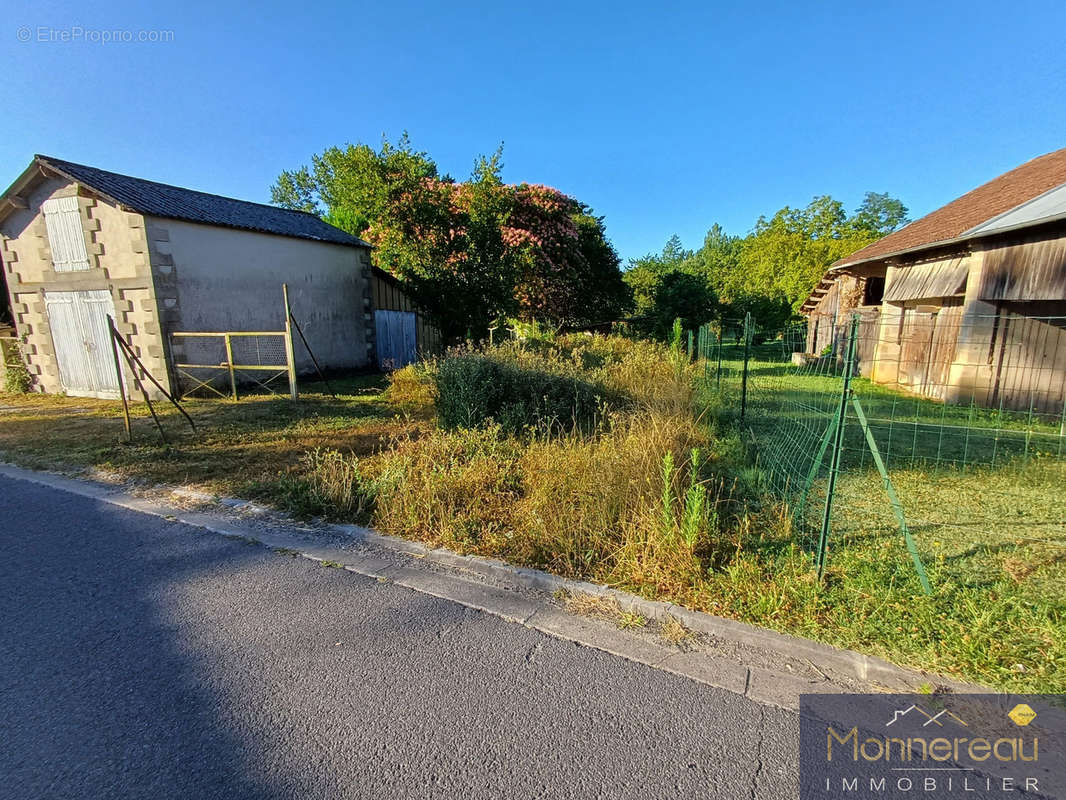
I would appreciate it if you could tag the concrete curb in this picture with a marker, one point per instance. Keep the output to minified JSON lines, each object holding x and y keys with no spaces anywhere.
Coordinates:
{"x":761,"y":684}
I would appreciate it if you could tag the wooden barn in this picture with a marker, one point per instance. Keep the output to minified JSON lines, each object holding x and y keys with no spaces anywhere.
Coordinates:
{"x":403,"y":335}
{"x":965,"y":304}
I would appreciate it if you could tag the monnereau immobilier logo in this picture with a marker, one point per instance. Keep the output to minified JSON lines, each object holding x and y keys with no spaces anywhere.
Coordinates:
{"x":932,"y":746}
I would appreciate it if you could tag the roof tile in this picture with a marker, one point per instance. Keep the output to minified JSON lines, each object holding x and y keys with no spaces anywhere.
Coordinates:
{"x":999,"y":195}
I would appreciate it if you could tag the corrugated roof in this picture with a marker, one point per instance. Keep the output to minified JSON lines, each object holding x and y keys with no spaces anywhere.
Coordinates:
{"x":999,"y":195}
{"x":174,"y":202}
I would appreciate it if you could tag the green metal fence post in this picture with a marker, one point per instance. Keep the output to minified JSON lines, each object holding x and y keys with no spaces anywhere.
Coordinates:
{"x":690,"y":345}
{"x":718,"y":367}
{"x":744,"y":377}
{"x":838,"y":446}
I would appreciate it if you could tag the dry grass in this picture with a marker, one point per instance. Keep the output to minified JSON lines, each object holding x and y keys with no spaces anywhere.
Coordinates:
{"x":240,"y":448}
{"x":597,"y":606}
{"x":673,"y":631}
{"x":411,"y":389}
{"x":605,"y":607}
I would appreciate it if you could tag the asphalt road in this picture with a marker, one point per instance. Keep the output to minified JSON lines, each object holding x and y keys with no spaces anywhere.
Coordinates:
{"x":145,"y":658}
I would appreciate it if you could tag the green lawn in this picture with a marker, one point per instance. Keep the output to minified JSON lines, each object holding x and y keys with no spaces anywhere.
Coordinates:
{"x":982,"y":492}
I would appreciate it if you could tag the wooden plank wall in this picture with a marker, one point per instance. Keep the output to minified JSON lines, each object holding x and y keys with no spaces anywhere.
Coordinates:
{"x":1026,"y":269}
{"x":821,"y":320}
{"x":388,"y":296}
{"x":1028,"y":363}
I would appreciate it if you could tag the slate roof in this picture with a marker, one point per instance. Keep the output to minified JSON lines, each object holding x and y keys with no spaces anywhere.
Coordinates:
{"x":174,"y":202}
{"x":999,"y":195}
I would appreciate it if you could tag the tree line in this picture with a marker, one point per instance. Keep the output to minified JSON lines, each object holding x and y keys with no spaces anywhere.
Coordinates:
{"x":769,"y":272}
{"x":472,"y":252}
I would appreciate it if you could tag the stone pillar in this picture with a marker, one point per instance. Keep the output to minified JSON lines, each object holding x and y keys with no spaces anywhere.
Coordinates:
{"x":970,"y":375}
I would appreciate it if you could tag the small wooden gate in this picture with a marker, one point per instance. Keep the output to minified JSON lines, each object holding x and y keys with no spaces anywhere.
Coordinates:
{"x":396,"y":338}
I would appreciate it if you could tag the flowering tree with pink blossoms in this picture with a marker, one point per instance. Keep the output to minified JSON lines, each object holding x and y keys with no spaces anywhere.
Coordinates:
{"x":468,"y":253}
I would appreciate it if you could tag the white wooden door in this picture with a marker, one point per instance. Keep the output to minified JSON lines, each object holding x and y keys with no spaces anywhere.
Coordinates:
{"x":83,"y":347}
{"x":396,"y":339}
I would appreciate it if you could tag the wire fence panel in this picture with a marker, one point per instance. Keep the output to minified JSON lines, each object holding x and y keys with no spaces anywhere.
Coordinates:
{"x":211,"y":362}
{"x":959,"y":417}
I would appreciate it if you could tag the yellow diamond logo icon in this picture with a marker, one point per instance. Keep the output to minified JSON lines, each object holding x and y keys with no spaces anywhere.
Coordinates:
{"x":1022,"y":714}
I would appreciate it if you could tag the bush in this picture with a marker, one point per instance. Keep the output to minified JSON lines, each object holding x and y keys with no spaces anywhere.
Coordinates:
{"x":17,"y":378}
{"x":474,"y":390}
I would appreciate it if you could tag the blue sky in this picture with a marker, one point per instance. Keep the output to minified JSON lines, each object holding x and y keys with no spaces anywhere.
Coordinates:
{"x":663,"y":117}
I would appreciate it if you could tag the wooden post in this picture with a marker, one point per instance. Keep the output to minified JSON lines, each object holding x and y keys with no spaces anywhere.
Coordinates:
{"x":229,"y":363}
{"x":290,"y":355}
{"x":118,"y":373}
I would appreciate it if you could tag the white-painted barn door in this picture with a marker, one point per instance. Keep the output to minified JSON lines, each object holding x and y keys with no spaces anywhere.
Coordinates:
{"x":83,"y":347}
{"x":396,"y":342}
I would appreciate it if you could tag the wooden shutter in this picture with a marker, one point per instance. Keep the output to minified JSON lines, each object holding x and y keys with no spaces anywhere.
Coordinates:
{"x":62,"y":218}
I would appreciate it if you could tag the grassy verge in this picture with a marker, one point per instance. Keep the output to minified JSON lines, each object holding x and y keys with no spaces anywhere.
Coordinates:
{"x":658,"y":501}
{"x":607,"y":467}
{"x":251,"y":448}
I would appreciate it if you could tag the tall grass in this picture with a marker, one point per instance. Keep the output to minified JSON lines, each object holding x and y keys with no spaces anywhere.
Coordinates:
{"x":476,"y":389}
{"x":653,"y":499}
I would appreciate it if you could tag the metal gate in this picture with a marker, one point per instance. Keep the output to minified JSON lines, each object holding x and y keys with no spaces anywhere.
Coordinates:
{"x":78,"y":321}
{"x":397,"y":343}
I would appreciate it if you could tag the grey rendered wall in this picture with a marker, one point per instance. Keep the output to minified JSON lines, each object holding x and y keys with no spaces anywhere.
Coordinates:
{"x":217,"y":279}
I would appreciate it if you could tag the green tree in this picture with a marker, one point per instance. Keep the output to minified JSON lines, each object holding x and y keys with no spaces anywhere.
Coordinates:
{"x":356,"y":185}
{"x":770,"y":271}
{"x":674,"y":253}
{"x":684,"y":296}
{"x":445,"y":242}
{"x":880,"y":214}
{"x":787,"y":254}
{"x":602,"y":292}
{"x":642,"y":280}
{"x":718,"y":262}
{"x":466,"y":252}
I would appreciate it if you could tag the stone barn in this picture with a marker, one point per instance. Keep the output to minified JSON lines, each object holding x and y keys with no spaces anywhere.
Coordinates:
{"x":80,"y":244}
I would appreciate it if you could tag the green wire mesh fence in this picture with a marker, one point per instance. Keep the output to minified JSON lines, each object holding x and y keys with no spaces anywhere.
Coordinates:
{"x":930,"y":429}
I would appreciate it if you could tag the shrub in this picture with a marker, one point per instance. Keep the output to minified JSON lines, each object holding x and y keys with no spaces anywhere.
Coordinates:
{"x":17,"y":378}
{"x":642,"y":372}
{"x":474,"y":390}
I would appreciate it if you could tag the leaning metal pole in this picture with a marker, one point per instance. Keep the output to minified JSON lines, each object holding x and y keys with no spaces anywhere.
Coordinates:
{"x":838,"y":446}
